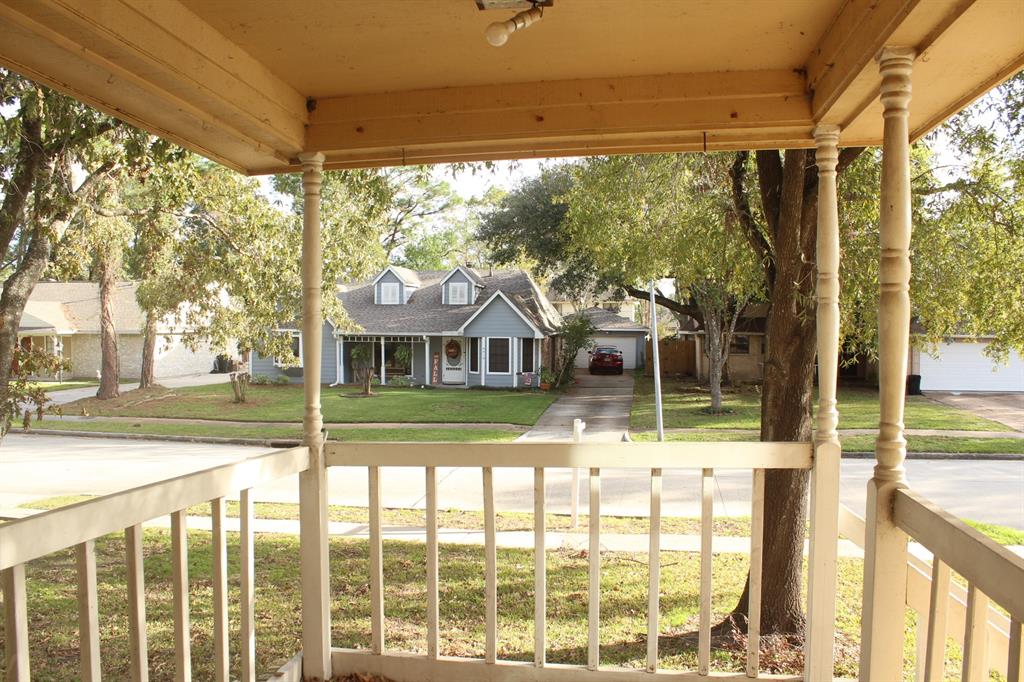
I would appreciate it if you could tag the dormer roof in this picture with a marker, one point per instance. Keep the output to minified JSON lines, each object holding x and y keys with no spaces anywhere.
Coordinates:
{"x":470,"y":274}
{"x":409,"y":277}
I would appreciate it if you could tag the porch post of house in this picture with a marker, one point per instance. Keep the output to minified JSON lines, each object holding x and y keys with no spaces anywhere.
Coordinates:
{"x":426,"y":361}
{"x":824,"y":508}
{"x":316,"y":626}
{"x":383,"y":372}
{"x":885,"y":550}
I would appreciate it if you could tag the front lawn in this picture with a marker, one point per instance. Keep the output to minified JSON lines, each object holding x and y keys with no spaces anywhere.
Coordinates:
{"x":268,"y":432}
{"x":54,"y":646}
{"x":285,"y":404}
{"x":684,"y":404}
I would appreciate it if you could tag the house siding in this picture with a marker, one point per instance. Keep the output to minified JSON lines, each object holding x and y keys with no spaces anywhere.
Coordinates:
{"x":458,"y":277}
{"x":389,"y":277}
{"x":263,"y":366}
{"x":498,"y":319}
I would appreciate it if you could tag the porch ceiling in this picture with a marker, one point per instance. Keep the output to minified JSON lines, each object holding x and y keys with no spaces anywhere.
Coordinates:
{"x":251,"y":83}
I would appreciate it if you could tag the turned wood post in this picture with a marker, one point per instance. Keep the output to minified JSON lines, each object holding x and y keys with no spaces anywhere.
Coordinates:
{"x":316,"y":625}
{"x":885,"y":550}
{"x":824,"y":506}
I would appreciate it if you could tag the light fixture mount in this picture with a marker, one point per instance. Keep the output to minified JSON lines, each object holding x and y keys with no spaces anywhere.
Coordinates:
{"x":497,"y":34}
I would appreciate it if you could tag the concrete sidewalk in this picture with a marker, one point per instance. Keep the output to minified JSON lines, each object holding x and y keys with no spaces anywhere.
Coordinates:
{"x":73,"y":394}
{"x":634,"y":543}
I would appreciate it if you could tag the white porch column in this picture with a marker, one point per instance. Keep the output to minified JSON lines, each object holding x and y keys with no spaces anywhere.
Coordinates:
{"x":824,"y":507}
{"x":383,"y":372}
{"x":426,"y":361}
{"x":316,"y":626}
{"x":341,"y":360}
{"x":885,"y":550}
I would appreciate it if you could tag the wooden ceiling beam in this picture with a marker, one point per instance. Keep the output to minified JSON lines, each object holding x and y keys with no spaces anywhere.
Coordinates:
{"x":174,"y":55}
{"x":559,"y":112}
{"x":849,"y":45}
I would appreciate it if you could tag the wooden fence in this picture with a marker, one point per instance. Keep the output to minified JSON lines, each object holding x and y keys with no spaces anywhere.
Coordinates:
{"x":678,"y":357}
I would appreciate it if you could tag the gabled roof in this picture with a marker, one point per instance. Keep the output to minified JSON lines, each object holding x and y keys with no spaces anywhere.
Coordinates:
{"x":408,"y":277}
{"x":74,"y":307}
{"x":424,"y":313}
{"x":488,"y":302}
{"x":470,"y":275}
{"x":609,"y":321}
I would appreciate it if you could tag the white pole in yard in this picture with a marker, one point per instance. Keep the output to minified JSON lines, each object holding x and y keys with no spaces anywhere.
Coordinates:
{"x":574,"y":496}
{"x":657,"y":365}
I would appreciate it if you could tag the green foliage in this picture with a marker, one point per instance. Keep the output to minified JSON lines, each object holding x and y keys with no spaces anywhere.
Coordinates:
{"x":22,"y":392}
{"x":260,"y":380}
{"x":576,"y":333}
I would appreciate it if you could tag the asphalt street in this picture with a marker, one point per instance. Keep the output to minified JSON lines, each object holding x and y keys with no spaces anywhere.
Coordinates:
{"x":35,"y":466}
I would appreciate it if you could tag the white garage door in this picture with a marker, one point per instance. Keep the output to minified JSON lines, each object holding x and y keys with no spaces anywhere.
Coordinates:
{"x":627,"y":344}
{"x":964,"y":367}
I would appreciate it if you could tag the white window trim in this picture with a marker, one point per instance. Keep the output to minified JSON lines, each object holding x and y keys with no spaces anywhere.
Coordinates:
{"x":511,"y":355}
{"x":458,"y":286}
{"x":469,"y":352}
{"x":397,"y":290}
{"x":295,"y":335}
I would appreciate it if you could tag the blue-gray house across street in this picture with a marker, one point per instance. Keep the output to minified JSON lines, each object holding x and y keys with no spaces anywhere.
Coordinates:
{"x":464,"y":327}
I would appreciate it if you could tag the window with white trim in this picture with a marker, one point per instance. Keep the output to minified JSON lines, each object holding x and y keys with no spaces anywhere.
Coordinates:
{"x":499,"y":355}
{"x":389,"y":293}
{"x":296,"y":343}
{"x":474,"y":355}
{"x":526,"y":359}
{"x":458,"y":293}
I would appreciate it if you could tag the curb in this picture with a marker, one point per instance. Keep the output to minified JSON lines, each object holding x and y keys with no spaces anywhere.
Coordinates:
{"x":981,"y":456}
{"x":214,"y":440}
{"x":286,"y":443}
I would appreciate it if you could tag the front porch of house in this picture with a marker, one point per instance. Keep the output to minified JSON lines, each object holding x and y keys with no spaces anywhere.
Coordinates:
{"x":256,"y":86}
{"x":441,"y":360}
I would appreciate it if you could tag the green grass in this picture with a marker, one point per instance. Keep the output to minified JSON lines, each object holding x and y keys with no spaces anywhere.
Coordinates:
{"x":285,"y":404}
{"x":940,"y":444}
{"x":1001,"y":534}
{"x":206,"y":430}
{"x":726,"y":526}
{"x":54,"y":643}
{"x":684,"y":404}
{"x":52,"y":386}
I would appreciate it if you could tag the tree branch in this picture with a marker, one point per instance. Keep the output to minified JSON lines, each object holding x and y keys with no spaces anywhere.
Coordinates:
{"x":751,"y":230}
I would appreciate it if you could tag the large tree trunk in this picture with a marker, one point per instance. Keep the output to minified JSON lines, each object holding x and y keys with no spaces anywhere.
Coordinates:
{"x":716,"y":358}
{"x":17,"y":288}
{"x":110,"y":365}
{"x":149,"y":335}
{"x":788,"y":383}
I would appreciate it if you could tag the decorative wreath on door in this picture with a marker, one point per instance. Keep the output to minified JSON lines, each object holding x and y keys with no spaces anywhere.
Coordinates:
{"x":453,"y":349}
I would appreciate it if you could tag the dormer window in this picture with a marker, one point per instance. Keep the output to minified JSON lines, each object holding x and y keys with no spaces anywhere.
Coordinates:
{"x":458,"y":293}
{"x":389,"y":293}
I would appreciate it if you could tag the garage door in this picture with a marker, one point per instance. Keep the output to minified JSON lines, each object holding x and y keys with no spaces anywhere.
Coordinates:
{"x":964,"y":367}
{"x":627,"y":344}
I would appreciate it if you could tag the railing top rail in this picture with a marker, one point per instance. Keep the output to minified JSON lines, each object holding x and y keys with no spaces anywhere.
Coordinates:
{"x":35,"y":536}
{"x":675,"y":455}
{"x":995,"y":570}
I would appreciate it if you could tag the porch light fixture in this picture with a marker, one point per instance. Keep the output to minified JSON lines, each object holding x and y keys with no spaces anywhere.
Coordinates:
{"x":497,"y":33}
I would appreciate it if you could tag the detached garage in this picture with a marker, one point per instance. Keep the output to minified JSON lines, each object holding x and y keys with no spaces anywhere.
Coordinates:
{"x":963,"y":366}
{"x":620,"y":332}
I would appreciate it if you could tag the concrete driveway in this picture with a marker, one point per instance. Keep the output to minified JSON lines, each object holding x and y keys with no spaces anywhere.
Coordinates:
{"x":1006,"y":408}
{"x":603,"y":401}
{"x":73,"y":394}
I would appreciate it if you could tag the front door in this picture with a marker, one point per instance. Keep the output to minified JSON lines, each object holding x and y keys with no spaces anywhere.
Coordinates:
{"x":453,"y":360}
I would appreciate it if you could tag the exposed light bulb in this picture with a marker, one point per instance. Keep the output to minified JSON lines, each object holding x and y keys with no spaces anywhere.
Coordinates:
{"x":497,"y":33}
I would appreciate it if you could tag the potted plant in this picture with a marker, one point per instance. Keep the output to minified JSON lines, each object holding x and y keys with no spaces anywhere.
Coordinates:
{"x":547,"y":377}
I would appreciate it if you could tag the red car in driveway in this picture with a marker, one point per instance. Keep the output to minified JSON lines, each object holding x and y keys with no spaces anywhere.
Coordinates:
{"x":606,"y":359}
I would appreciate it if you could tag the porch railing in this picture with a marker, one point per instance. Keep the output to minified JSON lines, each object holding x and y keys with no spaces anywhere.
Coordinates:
{"x":942,"y":605}
{"x":595,"y":458}
{"x":79,"y":525}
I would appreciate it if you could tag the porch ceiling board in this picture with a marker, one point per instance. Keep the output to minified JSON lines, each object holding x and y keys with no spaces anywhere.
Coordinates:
{"x":555,"y":115}
{"x":157,"y":65}
{"x":397,"y":82}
